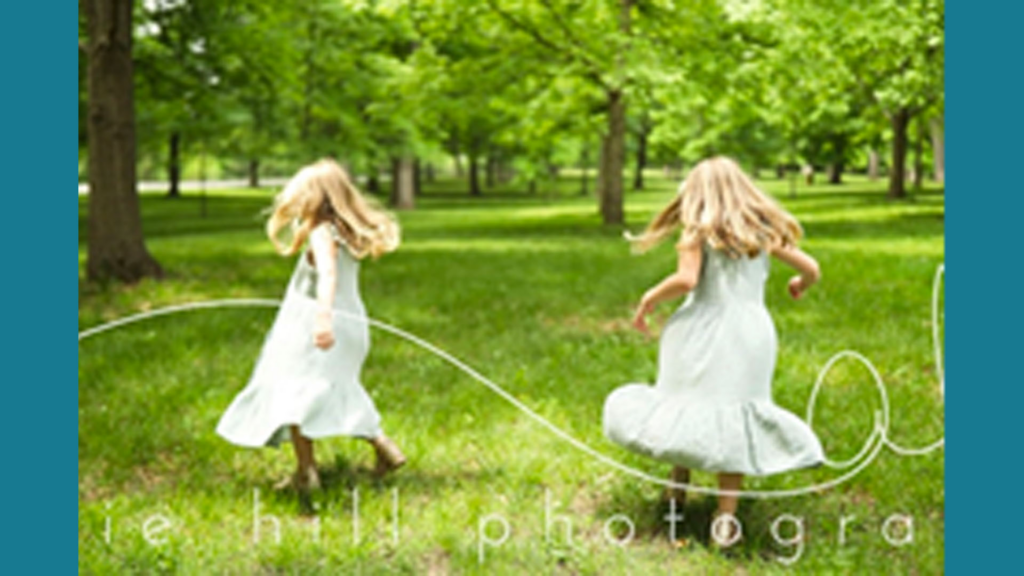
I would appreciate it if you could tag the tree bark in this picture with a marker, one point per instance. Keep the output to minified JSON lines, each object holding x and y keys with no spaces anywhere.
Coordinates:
{"x":405,"y":183}
{"x":641,"y":159}
{"x":612,"y":160}
{"x":116,"y":246}
{"x":430,"y":172}
{"x":474,"y":176}
{"x":873,"y":164}
{"x":254,"y":173}
{"x":174,"y":166}
{"x":897,"y":174}
{"x":938,"y":150}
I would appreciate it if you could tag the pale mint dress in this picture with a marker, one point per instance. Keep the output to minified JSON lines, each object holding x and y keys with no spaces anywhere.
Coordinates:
{"x":711,"y":407}
{"x":294,"y":382}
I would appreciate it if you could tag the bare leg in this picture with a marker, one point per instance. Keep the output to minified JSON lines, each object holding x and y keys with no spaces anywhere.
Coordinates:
{"x":679,"y":475}
{"x":726,"y":530}
{"x":306,"y":475}
{"x":389,"y":457}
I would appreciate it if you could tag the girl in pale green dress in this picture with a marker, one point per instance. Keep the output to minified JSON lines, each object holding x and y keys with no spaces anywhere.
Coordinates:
{"x":711,"y":407}
{"x":305,"y":384}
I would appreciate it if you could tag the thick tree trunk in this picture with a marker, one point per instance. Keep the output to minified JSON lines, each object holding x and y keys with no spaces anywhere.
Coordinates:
{"x":897,"y":173}
{"x":174,"y":166}
{"x":254,"y":173}
{"x":612,"y":160}
{"x":873,"y":163}
{"x":474,"y":175}
{"x":116,"y":247}
{"x":405,"y":183}
{"x":938,"y":150}
{"x":641,"y":159}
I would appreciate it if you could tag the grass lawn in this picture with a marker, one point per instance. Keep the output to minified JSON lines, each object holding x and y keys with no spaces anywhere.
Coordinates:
{"x":535,"y":294}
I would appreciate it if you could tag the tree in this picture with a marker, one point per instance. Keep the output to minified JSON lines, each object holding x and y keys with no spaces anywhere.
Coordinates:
{"x":116,"y":248}
{"x":892,"y":50}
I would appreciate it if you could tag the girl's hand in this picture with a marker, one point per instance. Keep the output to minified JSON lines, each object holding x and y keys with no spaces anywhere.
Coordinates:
{"x":323,"y":332}
{"x":797,"y":287}
{"x":640,"y":317}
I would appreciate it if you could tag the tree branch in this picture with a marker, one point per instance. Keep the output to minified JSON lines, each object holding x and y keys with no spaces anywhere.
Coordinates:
{"x":591,"y":73}
{"x":573,"y":39}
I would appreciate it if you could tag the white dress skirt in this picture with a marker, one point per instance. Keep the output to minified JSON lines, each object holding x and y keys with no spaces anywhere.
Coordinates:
{"x":711,"y":407}
{"x":294,"y":382}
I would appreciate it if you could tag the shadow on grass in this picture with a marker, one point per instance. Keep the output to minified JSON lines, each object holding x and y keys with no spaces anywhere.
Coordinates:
{"x":340,"y":480}
{"x":652,"y":520}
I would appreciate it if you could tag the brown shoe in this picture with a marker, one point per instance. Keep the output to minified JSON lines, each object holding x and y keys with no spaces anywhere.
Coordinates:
{"x":389,"y":457}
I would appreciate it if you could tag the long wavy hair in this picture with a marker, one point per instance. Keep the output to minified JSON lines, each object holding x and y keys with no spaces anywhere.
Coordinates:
{"x":719,"y":204}
{"x":323,"y":192}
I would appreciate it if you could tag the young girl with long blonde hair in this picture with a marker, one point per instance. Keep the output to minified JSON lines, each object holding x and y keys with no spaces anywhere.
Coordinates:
{"x":305,"y":384}
{"x":711,"y":408}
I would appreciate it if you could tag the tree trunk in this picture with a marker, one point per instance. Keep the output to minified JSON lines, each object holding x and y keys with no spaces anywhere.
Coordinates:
{"x":417,"y":178}
{"x":922,"y":135}
{"x":490,"y":169}
{"x":938,"y":150}
{"x":808,"y":172}
{"x":373,"y":180}
{"x":641,"y":159}
{"x":584,"y":165}
{"x":430,"y":172}
{"x":395,"y":167}
{"x":838,"y":164}
{"x":873,"y":164}
{"x":897,"y":174}
{"x":474,"y":176}
{"x":116,"y":247}
{"x":254,"y":173}
{"x":405,"y":183}
{"x":612,"y":160}
{"x":174,"y":166}
{"x":780,"y":171}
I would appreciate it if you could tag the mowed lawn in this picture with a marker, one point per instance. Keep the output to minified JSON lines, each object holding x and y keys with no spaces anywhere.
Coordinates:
{"x":536,"y":295}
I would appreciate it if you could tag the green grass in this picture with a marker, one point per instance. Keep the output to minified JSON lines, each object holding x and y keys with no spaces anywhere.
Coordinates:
{"x":536,"y":294}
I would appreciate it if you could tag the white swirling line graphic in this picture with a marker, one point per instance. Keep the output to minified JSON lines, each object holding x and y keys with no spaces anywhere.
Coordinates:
{"x":877,"y":440}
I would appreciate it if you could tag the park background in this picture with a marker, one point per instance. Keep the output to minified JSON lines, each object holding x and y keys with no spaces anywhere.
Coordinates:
{"x":515,"y":141}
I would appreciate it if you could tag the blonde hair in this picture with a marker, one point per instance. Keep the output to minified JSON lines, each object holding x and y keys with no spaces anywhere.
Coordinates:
{"x":719,"y":204}
{"x":322,"y":192}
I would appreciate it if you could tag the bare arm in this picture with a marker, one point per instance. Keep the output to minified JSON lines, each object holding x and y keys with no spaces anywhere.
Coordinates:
{"x":683,"y":280}
{"x":802,"y":262}
{"x":325,"y":253}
